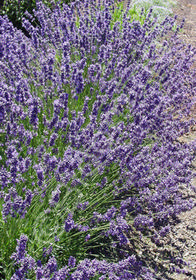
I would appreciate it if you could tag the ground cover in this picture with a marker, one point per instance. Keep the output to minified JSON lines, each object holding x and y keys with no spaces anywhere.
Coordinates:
{"x":90,"y":162}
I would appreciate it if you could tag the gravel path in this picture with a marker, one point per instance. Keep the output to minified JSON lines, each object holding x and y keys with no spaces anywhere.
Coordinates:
{"x":183,"y":235}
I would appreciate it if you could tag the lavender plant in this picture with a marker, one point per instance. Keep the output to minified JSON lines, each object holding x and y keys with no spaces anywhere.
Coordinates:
{"x":90,"y":115}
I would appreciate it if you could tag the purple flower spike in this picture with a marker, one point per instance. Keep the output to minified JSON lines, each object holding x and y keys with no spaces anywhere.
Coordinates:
{"x":69,"y":223}
{"x":71,"y":261}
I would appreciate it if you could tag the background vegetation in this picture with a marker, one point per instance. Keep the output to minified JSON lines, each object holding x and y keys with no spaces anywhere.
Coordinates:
{"x":15,"y":10}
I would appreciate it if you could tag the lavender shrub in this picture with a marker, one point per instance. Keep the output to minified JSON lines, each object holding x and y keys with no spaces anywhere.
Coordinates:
{"x":90,"y":116}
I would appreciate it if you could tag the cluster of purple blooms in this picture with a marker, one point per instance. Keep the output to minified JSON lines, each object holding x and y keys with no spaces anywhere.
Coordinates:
{"x":129,"y":268}
{"x":118,"y":67}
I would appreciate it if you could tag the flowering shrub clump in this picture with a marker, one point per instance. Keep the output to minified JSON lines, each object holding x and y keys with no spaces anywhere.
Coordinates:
{"x":90,"y":115}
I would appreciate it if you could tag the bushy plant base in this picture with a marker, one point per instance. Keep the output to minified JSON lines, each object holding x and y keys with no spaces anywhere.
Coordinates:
{"x":90,"y":159}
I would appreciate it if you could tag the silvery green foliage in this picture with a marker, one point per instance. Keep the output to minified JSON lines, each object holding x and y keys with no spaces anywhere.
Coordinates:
{"x":161,"y":8}
{"x":120,"y":74}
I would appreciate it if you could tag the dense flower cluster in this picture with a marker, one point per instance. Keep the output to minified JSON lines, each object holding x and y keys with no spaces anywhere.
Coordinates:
{"x":129,"y":268}
{"x":124,"y":94}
